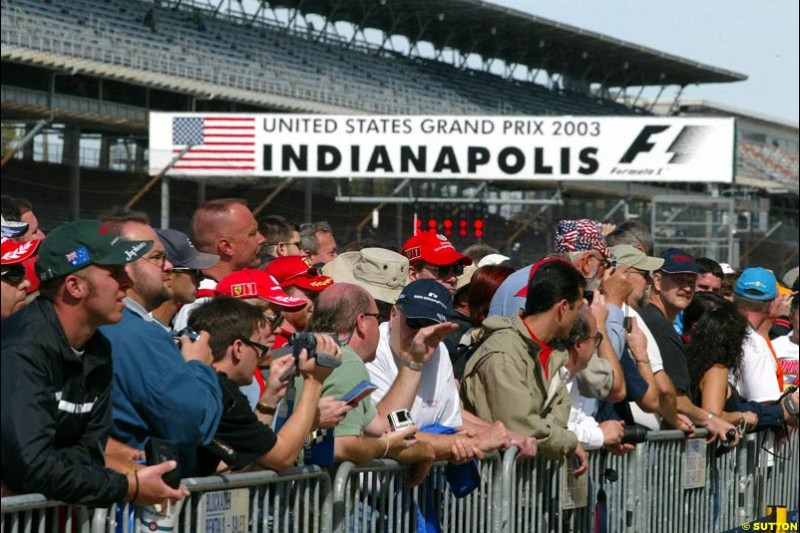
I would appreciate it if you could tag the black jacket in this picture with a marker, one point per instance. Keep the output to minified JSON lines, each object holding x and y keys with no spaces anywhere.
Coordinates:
{"x":56,"y":411}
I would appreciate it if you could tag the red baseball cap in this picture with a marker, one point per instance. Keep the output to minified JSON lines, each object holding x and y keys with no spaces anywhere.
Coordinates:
{"x":14,"y":252}
{"x":434,"y":249}
{"x":252,"y":283}
{"x":30,"y":274}
{"x":297,"y":271}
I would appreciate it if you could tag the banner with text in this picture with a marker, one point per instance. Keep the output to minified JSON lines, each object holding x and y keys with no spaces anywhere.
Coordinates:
{"x":651,"y":149}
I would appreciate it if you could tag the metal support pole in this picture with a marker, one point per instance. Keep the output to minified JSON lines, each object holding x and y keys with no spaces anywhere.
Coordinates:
{"x":24,"y":141}
{"x":165,"y":202}
{"x":268,"y":200}
{"x":149,"y":185}
{"x":201,"y":192}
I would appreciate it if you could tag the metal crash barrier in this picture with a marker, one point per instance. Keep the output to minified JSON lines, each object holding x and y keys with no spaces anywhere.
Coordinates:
{"x":667,"y":484}
{"x":374,"y":497}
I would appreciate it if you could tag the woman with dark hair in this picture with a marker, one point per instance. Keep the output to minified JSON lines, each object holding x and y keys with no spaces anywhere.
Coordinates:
{"x":714,"y":332}
{"x":484,"y":284}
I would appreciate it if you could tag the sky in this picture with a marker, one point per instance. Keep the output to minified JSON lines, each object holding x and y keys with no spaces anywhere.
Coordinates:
{"x":758,"y":38}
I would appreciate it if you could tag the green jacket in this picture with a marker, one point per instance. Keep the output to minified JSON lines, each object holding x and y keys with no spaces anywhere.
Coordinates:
{"x":504,"y":380}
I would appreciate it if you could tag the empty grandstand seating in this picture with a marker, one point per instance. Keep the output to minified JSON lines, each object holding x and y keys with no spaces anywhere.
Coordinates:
{"x":254,"y":56}
{"x":771,"y":163}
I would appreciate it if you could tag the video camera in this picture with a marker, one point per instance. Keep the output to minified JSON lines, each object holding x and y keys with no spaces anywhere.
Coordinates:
{"x":306,"y":340}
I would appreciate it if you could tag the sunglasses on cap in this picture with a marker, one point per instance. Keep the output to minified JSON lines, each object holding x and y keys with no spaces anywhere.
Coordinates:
{"x":13,"y":274}
{"x":311,"y":272}
{"x":445,"y":271}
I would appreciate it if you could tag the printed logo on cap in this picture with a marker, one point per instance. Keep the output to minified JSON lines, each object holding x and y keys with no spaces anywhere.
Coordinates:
{"x":244,"y":290}
{"x":134,"y":250}
{"x":415,"y":252}
{"x":78,"y":257}
{"x":19,"y":251}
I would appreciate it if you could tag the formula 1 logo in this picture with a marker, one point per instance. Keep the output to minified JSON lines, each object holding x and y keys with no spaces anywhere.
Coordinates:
{"x":683,"y":149}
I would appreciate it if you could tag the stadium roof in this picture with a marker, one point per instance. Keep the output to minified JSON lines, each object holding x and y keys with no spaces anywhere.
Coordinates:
{"x":517,"y":37}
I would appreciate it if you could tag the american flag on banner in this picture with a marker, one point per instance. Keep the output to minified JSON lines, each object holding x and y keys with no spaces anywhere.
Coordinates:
{"x":218,"y":142}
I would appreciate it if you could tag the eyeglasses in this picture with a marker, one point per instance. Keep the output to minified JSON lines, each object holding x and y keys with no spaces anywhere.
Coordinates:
{"x":289,"y":243}
{"x":261,"y":350}
{"x":376,"y":316}
{"x":14,"y":274}
{"x":445,"y":271}
{"x":598,"y":339}
{"x":158,"y":259}
{"x":609,"y":263}
{"x":274,"y":321}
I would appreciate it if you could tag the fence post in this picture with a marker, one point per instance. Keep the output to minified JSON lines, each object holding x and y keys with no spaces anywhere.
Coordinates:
{"x":506,"y":488}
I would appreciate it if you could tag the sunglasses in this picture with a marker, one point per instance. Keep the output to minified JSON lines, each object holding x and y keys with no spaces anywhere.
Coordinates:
{"x":274,"y":321}
{"x":445,"y":271}
{"x":14,"y":275}
{"x":263,"y":351}
{"x":289,"y":243}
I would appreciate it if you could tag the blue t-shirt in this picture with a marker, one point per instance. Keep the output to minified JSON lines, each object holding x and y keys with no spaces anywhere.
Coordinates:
{"x":505,"y":302}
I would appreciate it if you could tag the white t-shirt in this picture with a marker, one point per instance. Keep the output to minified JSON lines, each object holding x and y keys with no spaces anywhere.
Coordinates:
{"x":758,"y":381}
{"x":581,"y":420}
{"x":649,"y":420}
{"x":437,"y":398}
{"x":181,"y":319}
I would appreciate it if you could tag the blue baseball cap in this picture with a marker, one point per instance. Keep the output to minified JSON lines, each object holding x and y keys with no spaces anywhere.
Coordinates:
{"x":678,"y":261}
{"x":757,"y":284}
{"x":426,"y":299}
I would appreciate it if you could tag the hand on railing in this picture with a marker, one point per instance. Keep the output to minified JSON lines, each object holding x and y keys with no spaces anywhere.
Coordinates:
{"x":527,"y":446}
{"x":464,"y":449}
{"x":583,"y":461}
{"x":146,"y":487}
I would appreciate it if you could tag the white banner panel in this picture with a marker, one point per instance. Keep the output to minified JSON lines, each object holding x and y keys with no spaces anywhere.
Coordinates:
{"x":651,"y":149}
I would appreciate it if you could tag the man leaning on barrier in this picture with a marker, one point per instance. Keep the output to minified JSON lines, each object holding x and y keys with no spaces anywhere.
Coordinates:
{"x":241,"y":439}
{"x":56,"y":374}
{"x":351,"y":312}
{"x":513,"y":377}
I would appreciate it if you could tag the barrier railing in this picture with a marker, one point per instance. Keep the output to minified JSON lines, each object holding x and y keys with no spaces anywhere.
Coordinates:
{"x":667,"y":484}
{"x":34,"y":512}
{"x":373,"y":497}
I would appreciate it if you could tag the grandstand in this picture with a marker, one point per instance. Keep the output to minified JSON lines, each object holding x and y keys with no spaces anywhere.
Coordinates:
{"x":97,"y":68}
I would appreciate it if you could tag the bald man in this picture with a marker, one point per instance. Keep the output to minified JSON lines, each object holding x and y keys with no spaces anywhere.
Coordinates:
{"x":227,"y":228}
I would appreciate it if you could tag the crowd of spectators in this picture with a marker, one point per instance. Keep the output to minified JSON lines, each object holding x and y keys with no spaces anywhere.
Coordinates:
{"x":239,"y":345}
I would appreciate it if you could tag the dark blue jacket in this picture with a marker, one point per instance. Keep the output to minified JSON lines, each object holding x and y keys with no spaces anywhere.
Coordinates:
{"x":56,"y":413}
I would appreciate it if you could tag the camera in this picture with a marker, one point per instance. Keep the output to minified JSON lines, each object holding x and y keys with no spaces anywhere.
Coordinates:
{"x":189,"y":332}
{"x":627,"y":323}
{"x":786,"y":399}
{"x":306,"y":340}
{"x":725,"y":445}
{"x":634,"y":434}
{"x":298,"y":342}
{"x":400,"y":419}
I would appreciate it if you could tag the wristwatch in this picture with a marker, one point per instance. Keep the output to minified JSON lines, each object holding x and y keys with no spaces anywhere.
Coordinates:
{"x":265,"y":409}
{"x":416,"y":367}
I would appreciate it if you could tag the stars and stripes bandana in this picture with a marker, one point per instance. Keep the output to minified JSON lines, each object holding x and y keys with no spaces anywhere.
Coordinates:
{"x":580,"y":236}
